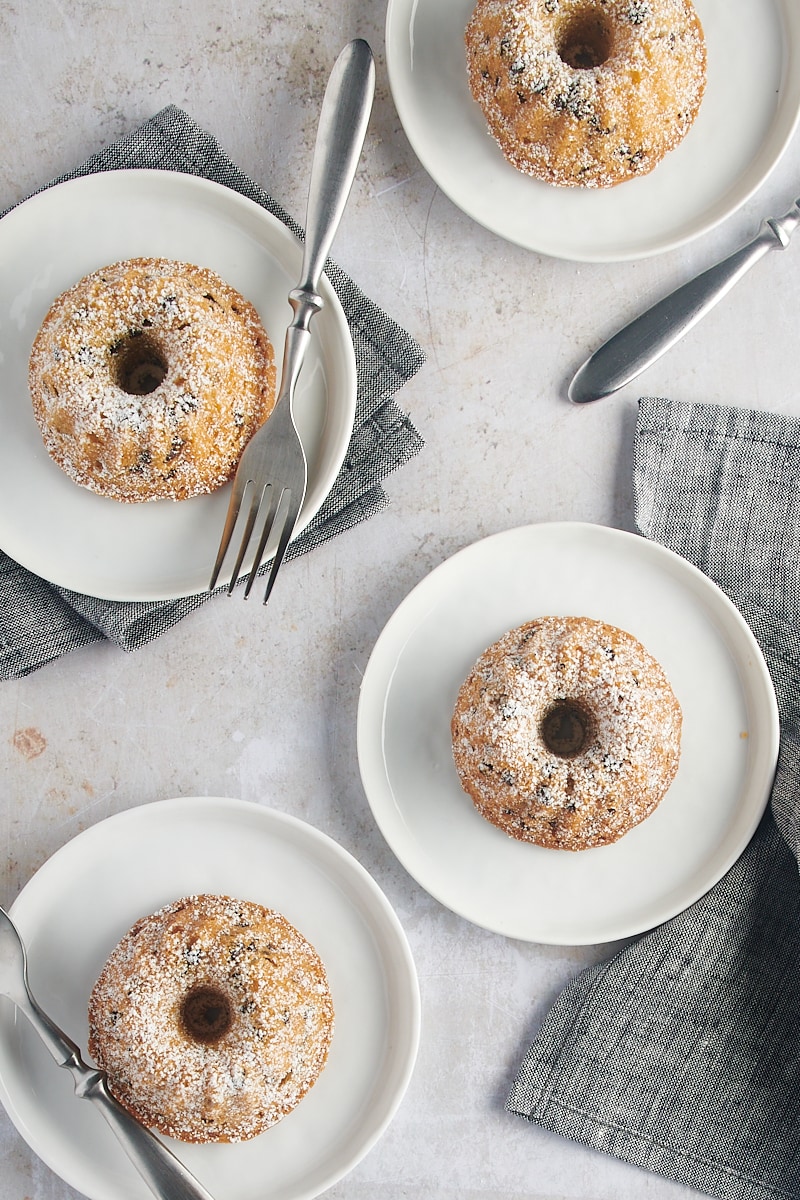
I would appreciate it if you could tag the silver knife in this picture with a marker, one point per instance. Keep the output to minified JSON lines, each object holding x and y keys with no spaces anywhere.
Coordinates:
{"x":639,"y":344}
{"x":164,"y":1174}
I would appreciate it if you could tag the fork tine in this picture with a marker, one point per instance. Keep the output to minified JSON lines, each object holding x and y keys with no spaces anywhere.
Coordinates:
{"x":275,"y":497}
{"x":247,"y":533}
{"x":294,"y":502}
{"x":234,"y":504}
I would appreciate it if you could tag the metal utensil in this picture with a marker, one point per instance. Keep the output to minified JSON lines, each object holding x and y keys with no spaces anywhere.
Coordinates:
{"x":273,"y":467}
{"x":639,"y":344}
{"x":167,"y":1177}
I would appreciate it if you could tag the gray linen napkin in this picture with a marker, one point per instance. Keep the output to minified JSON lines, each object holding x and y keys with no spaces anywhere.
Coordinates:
{"x":38,"y":621}
{"x":682,"y":1054}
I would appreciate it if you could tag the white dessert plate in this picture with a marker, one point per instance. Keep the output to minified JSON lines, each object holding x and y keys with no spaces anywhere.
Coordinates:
{"x":728,"y":753}
{"x":78,"y":905}
{"x":161,"y":549}
{"x":747,"y":117}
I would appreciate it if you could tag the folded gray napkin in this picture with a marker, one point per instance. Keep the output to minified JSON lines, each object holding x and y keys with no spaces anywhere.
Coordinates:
{"x":682,"y":1054}
{"x":38,"y":621}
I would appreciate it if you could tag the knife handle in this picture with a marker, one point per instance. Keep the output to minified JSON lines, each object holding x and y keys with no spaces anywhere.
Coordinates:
{"x":639,"y":344}
{"x":162,"y":1171}
{"x":164,"y":1174}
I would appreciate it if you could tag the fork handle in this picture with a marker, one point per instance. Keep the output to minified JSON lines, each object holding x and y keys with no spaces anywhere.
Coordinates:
{"x":343,"y":121}
{"x":298,"y":335}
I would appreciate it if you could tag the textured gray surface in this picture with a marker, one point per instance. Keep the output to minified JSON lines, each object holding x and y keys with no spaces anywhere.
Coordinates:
{"x":39,"y":621}
{"x":680,"y":1054}
{"x":233,"y":702}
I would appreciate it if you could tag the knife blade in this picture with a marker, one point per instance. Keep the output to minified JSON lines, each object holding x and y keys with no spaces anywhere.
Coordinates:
{"x":637,"y":345}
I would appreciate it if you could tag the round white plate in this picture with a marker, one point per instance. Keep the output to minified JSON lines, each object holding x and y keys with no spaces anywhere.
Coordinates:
{"x":78,"y":905}
{"x":748,"y":114}
{"x":728,"y":754}
{"x":161,"y":549}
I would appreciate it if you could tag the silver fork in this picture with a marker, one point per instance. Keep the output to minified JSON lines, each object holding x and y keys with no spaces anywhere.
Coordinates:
{"x":164,"y":1174}
{"x":273,"y":469}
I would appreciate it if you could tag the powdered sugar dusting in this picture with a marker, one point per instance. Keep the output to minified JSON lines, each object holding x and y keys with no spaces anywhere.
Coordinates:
{"x":274,"y":986}
{"x":586,"y":93}
{"x":632,"y":724}
{"x":148,"y":378}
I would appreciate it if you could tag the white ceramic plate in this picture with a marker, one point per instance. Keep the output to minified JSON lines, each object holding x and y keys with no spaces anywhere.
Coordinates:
{"x":729,"y":743}
{"x":748,"y":114}
{"x":161,"y":549}
{"x":77,"y":906}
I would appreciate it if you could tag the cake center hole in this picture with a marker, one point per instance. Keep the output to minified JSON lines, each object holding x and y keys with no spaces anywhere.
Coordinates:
{"x":206,"y":1014}
{"x":139,"y":365}
{"x":585,"y":40}
{"x":565,"y":729}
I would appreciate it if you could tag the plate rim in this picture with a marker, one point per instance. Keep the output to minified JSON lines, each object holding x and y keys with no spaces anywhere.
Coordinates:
{"x":383,"y":921}
{"x":376,"y":684}
{"x":183,"y":186}
{"x":717,"y":212}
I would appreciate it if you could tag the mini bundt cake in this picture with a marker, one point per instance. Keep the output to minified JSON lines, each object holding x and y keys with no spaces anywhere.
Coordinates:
{"x":566,"y":733}
{"x":148,"y":378}
{"x":586,"y":93}
{"x":212,"y":1019}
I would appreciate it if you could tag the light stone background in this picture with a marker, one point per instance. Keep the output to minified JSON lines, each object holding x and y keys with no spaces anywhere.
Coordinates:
{"x":262,"y":706}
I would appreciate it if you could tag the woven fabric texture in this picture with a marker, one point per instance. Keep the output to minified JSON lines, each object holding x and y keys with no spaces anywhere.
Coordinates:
{"x":682,"y":1053}
{"x":40,"y":621}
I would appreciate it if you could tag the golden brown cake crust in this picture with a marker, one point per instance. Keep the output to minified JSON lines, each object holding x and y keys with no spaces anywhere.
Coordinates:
{"x":586,"y":93}
{"x":212,"y":1018}
{"x":566,"y":733}
{"x":148,"y":378}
